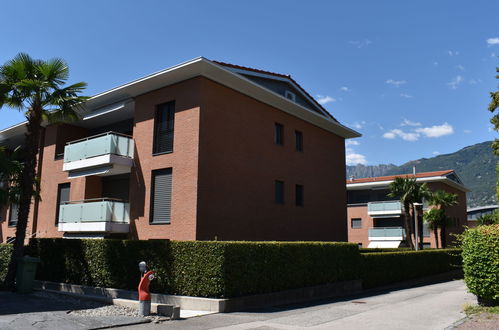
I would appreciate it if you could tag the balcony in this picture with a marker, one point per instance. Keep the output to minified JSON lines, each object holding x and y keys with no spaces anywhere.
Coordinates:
{"x":104,"y":154}
{"x":384,"y":209}
{"x":102,"y":215}
{"x":386,"y":234}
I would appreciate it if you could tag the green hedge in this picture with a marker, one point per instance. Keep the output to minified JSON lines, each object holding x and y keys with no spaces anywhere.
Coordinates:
{"x":481,"y":262}
{"x":379,"y":250}
{"x":384,"y":268}
{"x":5,"y":251}
{"x":196,"y":268}
{"x":227,"y":269}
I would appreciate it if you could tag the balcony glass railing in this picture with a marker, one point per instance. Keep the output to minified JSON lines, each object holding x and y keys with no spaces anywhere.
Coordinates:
{"x":95,"y":210}
{"x":384,"y":207}
{"x":98,"y":145}
{"x":387,"y":232}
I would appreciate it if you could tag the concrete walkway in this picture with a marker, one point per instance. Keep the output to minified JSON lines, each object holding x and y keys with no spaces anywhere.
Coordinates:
{"x":29,"y":311}
{"x":436,"y":306}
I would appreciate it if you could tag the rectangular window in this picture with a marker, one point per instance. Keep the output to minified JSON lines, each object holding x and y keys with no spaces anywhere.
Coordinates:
{"x":426,"y":229}
{"x":426,"y":246}
{"x":356,"y":223}
{"x":62,"y":196}
{"x":163,"y":128}
{"x":298,"y":141}
{"x":161,"y":196}
{"x":279,"y":192}
{"x":14,"y":208}
{"x":299,"y":195}
{"x":279,"y":134}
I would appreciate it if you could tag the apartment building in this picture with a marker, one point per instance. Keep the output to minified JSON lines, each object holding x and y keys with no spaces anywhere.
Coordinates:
{"x":376,"y":220}
{"x":203,"y":150}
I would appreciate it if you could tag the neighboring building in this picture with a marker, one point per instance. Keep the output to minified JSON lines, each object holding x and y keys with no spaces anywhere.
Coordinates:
{"x":477,"y":212}
{"x":200,"y":151}
{"x":377,"y":220}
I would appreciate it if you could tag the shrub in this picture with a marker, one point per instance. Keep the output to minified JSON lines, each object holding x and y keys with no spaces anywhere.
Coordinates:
{"x":196,"y":268}
{"x":481,"y":262}
{"x":5,"y":251}
{"x":384,"y":268}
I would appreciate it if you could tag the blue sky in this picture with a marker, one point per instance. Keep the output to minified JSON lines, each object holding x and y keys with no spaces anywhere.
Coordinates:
{"x":413,"y":77}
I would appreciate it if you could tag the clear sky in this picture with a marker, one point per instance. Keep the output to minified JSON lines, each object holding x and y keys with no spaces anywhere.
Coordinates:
{"x":412,"y":76}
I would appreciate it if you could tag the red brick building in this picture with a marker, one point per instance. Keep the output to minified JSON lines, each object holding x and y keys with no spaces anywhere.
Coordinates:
{"x":376,"y":220}
{"x":199,"y":151}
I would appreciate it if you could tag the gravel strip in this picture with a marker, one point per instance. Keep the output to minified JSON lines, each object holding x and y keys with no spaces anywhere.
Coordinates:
{"x":89,"y":308}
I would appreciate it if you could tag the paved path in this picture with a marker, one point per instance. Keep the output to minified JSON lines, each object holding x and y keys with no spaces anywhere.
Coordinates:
{"x":42,"y":311}
{"x":435,"y":306}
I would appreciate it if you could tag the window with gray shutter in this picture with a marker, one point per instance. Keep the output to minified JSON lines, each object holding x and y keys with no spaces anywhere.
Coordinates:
{"x":62,"y":196}
{"x":163,"y":130}
{"x":14,"y":208}
{"x":161,"y":197}
{"x":356,"y":223}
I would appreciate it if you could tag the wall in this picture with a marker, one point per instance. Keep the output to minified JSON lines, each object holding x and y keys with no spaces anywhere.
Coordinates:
{"x":239,"y":163}
{"x":183,"y":161}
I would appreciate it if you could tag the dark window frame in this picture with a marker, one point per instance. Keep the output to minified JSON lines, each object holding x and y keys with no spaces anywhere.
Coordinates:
{"x":169,"y":109}
{"x":299,"y":195}
{"x":58,"y":201}
{"x":279,"y":192}
{"x":352,"y":223}
{"x":10,"y":222}
{"x":299,"y":141}
{"x":279,"y":134}
{"x":151,"y":204}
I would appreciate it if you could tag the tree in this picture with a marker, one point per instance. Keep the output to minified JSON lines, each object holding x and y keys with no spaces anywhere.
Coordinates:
{"x":35,"y":87}
{"x":435,"y":217}
{"x":493,"y":106}
{"x":10,"y":172}
{"x":440,"y":200}
{"x":488,"y":219}
{"x":409,"y":191}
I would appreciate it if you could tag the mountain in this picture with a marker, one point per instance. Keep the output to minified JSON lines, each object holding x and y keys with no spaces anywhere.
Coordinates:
{"x":475,"y":165}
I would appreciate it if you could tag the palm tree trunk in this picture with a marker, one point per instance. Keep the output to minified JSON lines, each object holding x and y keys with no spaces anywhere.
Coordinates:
{"x":31,"y":146}
{"x":420,"y":229}
{"x":435,"y":232}
{"x":408,"y":228}
{"x":443,"y":239}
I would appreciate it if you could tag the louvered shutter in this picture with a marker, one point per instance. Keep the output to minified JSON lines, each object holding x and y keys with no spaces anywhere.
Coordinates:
{"x":161,"y":196}
{"x":165,"y":119}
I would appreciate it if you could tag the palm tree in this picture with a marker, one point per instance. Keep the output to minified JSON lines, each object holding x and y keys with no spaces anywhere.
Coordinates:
{"x":409,"y":192}
{"x":10,"y":170}
{"x":442,"y":199}
{"x":36,"y":88}
{"x":434,"y":218}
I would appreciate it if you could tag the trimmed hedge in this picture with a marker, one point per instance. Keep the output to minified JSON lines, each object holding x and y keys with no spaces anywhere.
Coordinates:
{"x":5,"y":251}
{"x":388,"y":267}
{"x":481,"y":262}
{"x":226,"y":269}
{"x":196,"y":268}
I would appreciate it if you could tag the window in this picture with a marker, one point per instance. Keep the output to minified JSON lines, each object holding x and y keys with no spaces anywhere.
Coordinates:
{"x":290,"y":95}
{"x":279,"y":134}
{"x":426,"y":230}
{"x":279,"y":192}
{"x":14,"y":208}
{"x":299,"y":195}
{"x":360,"y":245}
{"x":426,"y":246}
{"x":298,"y":141}
{"x":163,"y":129}
{"x":62,"y":196}
{"x":356,"y":223}
{"x":161,"y":196}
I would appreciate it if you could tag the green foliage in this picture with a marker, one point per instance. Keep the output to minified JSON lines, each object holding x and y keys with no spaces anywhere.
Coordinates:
{"x":385,"y":268}
{"x":488,"y":219}
{"x":481,"y":261}
{"x":226,"y":269}
{"x":196,"y":268}
{"x":5,"y":251}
